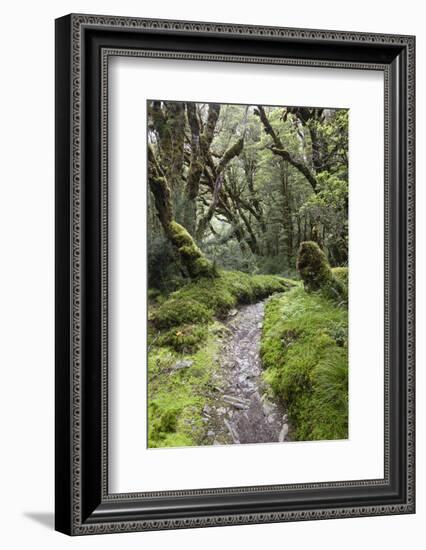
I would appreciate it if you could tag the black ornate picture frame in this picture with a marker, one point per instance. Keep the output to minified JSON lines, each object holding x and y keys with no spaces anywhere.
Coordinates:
{"x":84,"y":505}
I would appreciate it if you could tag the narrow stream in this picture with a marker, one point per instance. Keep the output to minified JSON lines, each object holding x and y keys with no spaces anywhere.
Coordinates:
{"x":244,"y":411}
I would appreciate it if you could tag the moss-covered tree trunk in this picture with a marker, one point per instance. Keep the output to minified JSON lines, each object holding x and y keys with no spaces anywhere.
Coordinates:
{"x":190,"y":255}
{"x":316,"y":273}
{"x":201,"y":139}
{"x":166,"y":154}
{"x":175,"y":175}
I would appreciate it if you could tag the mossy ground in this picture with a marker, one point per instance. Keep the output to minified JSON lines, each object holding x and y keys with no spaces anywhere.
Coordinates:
{"x":200,"y":301}
{"x":186,"y":326}
{"x":304,"y":349}
{"x":177,"y":396}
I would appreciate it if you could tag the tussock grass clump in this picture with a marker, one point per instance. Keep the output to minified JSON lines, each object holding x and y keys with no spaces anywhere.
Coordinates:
{"x":304,"y":349}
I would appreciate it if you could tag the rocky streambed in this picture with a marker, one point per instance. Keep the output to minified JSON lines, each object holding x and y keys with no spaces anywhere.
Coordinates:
{"x":244,"y":410}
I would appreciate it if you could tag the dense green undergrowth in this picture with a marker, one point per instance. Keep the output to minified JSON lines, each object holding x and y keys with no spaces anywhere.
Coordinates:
{"x":304,"y":349}
{"x":177,"y":396}
{"x":185,"y":326}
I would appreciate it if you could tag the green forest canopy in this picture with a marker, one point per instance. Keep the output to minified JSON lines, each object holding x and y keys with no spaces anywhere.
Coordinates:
{"x":241,"y":186}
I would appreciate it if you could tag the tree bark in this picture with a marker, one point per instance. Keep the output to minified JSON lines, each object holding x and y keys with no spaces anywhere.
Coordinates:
{"x":190,"y":255}
{"x":279,"y":149}
{"x":217,"y":187}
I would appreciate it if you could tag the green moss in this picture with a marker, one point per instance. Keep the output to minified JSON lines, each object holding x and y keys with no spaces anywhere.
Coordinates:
{"x":316,"y":273}
{"x":189,"y":252}
{"x":313,"y":266}
{"x":181,"y":238}
{"x":305,"y":355}
{"x":191,"y":256}
{"x":199,"y":301}
{"x":341,"y":274}
{"x":175,"y":440}
{"x":179,"y":310}
{"x":204,"y":268}
{"x":176,"y":397}
{"x":185,"y":338}
{"x":265,"y":285}
{"x":183,"y":327}
{"x":212,"y":294}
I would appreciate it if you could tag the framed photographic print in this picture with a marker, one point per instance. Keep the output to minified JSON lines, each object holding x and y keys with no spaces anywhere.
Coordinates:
{"x":234,"y":274}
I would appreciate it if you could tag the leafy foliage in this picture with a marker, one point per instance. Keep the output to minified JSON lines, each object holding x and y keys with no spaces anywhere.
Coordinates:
{"x":243,"y":186}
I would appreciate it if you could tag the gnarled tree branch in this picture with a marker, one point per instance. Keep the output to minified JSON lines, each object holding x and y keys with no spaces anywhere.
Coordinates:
{"x":279,"y":149}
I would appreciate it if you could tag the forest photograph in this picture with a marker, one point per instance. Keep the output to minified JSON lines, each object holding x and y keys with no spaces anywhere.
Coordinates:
{"x":248,"y":251}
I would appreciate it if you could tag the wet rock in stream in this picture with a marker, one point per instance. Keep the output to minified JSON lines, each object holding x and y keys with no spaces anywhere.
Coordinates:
{"x":243,"y":412}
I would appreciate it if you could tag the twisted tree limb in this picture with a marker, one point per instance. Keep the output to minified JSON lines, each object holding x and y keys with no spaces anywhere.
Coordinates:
{"x":279,"y":149}
{"x":190,"y":255}
{"x":217,"y":189}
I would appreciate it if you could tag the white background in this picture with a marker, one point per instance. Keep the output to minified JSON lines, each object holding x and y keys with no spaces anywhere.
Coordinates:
{"x":26,"y":301}
{"x":132,"y":81}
